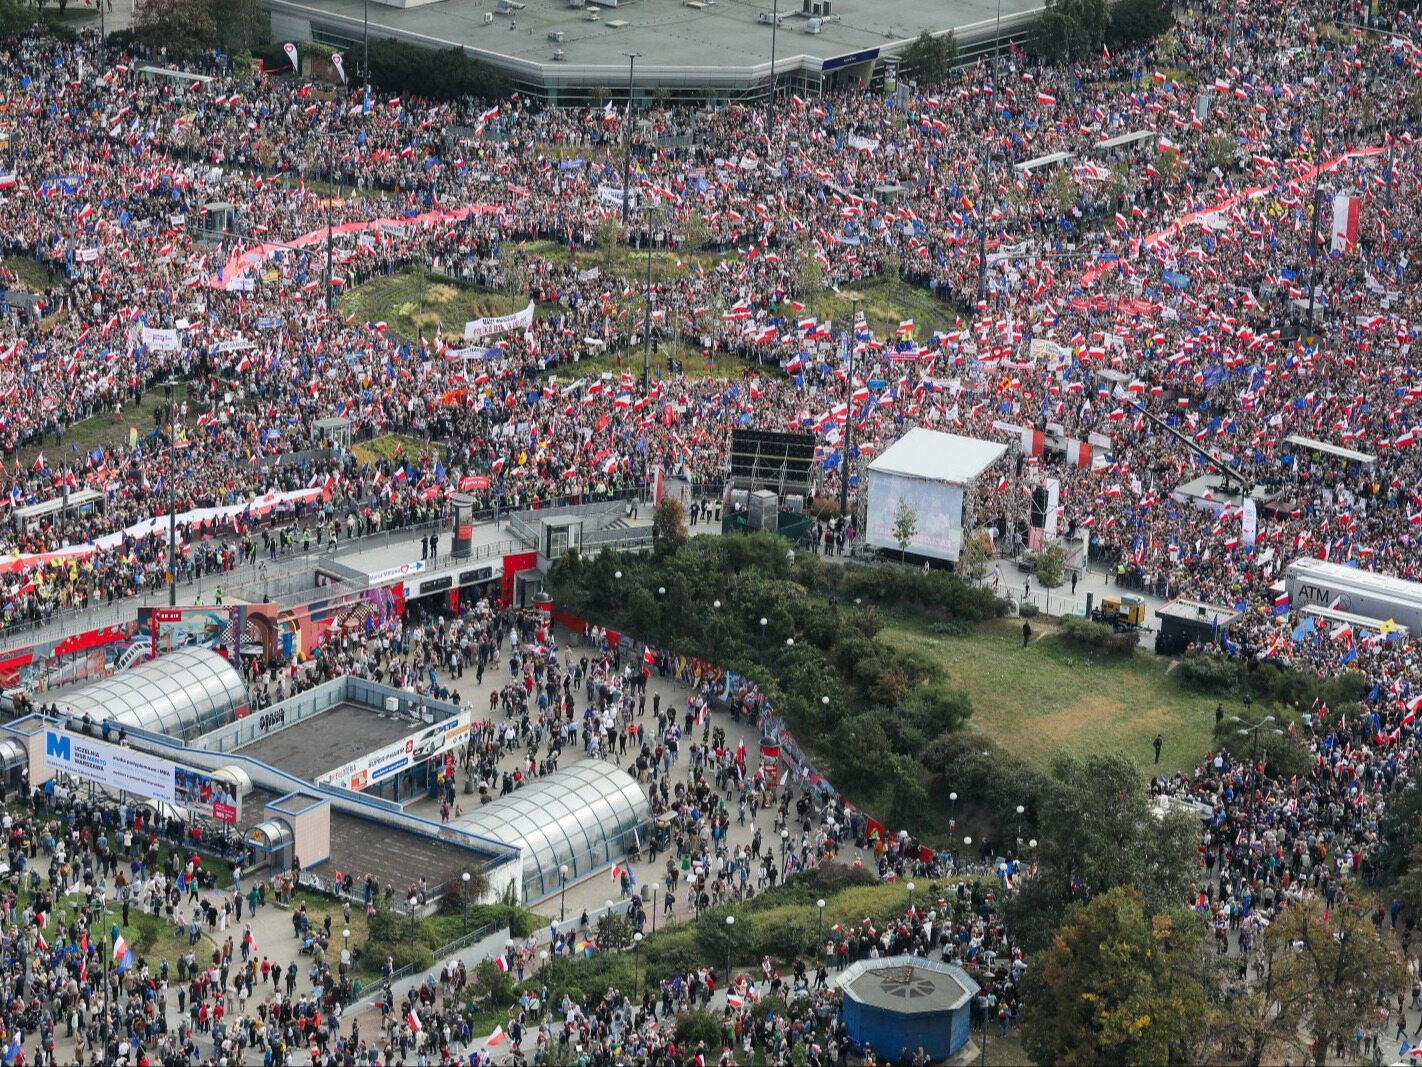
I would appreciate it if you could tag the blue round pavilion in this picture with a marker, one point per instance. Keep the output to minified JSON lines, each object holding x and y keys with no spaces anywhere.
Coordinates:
{"x":907,"y":1002}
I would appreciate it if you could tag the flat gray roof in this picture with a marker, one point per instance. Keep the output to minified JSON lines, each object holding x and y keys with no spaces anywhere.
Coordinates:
{"x":909,"y":985}
{"x":705,"y":42}
{"x":329,"y":740}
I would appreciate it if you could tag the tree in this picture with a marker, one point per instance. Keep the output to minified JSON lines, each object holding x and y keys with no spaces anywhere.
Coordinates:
{"x":1132,"y":21}
{"x":1104,"y":835}
{"x":931,"y":57}
{"x":1220,"y":152}
{"x":977,"y":550}
{"x":614,"y":932}
{"x":1069,"y":29}
{"x":239,"y":24}
{"x":1116,"y":986}
{"x":905,"y":526}
{"x":669,"y":525}
{"x":1051,"y":566}
{"x":15,"y":18}
{"x":183,"y":27}
{"x":1330,"y":968}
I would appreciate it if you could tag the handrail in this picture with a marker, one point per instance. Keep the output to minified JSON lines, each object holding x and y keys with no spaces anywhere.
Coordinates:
{"x":464,"y":941}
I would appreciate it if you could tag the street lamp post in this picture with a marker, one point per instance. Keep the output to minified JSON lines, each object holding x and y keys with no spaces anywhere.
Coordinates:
{"x":647,"y":310}
{"x":345,"y":950}
{"x":1252,"y":732}
{"x":654,"y":907}
{"x":820,"y":907}
{"x":825,"y":703}
{"x":632,"y":58}
{"x":170,"y":387}
{"x":465,"y":879}
{"x":770,"y":110}
{"x":563,"y":880}
{"x":784,"y":854}
{"x":987,"y":155}
{"x":952,"y":810}
{"x":1020,"y":811}
{"x":763,"y":622}
{"x":730,"y":937}
{"x":909,"y":887}
{"x":848,"y":409}
{"x":636,"y":960}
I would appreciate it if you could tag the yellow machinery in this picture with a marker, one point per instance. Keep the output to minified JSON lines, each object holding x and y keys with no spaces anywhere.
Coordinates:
{"x":1124,"y":611}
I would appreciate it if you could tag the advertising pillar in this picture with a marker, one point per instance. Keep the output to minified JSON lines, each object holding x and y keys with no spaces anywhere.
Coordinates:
{"x":461,"y":544}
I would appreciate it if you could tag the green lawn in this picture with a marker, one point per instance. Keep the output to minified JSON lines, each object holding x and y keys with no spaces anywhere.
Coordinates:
{"x":413,"y":300}
{"x":887,"y":301}
{"x":99,"y":431}
{"x":1051,"y":698}
{"x":378,"y":448}
{"x":32,"y":276}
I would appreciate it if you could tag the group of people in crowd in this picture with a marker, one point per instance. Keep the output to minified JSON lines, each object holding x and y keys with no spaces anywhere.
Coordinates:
{"x":1178,"y":281}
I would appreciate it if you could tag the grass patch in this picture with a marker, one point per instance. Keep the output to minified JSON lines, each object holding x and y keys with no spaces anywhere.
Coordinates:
{"x":379,"y":448}
{"x":413,"y":300}
{"x":98,"y":431}
{"x":31,"y":274}
{"x":886,"y":302}
{"x":1051,"y":698}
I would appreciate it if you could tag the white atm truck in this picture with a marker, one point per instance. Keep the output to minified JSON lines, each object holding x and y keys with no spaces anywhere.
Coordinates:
{"x":1354,"y":591}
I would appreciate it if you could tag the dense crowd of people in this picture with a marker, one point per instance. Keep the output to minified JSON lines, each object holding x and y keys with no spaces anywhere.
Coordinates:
{"x":1175,"y":266}
{"x":1178,"y":275}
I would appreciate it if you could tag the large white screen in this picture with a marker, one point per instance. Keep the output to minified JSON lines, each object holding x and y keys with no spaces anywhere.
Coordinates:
{"x":938,"y":508}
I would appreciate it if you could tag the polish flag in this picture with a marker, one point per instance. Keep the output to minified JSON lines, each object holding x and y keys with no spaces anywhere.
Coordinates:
{"x":497,"y":1037}
{"x":414,"y":1020}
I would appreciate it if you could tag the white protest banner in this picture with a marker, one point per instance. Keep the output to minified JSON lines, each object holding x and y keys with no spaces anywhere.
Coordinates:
{"x":160,"y":340}
{"x":610,"y":194}
{"x":519,"y":320}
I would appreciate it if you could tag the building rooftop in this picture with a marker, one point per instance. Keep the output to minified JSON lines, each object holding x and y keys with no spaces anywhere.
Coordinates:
{"x":907,"y":984}
{"x":330,"y":739}
{"x":681,"y":43}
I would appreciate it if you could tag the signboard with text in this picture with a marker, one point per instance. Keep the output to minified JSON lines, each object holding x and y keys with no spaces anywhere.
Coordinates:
{"x":130,"y":771}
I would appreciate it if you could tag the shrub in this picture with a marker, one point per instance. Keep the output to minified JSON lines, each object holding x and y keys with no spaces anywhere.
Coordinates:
{"x":1028,"y":610}
{"x":952,"y":628}
{"x":402,"y":954}
{"x":146,"y":931}
{"x":1085,"y":633}
{"x":833,"y":877}
{"x":698,"y":1028}
{"x":672,"y":951}
{"x":1122,"y":644}
{"x":1208,"y":674}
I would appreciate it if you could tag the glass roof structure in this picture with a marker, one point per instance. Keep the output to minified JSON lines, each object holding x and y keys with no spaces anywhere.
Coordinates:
{"x":585,"y":816}
{"x":180,"y":695}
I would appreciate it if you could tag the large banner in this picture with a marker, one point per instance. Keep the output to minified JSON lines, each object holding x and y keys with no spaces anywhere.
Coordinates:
{"x":160,"y":340}
{"x":217,"y":628}
{"x":131,"y":771}
{"x":937,"y":511}
{"x":204,"y":795}
{"x":110,"y":765}
{"x":371,"y":769}
{"x":519,"y":320}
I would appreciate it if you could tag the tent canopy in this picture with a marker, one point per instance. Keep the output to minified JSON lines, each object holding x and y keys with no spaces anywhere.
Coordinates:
{"x":938,"y":457}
